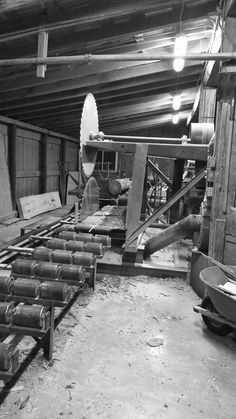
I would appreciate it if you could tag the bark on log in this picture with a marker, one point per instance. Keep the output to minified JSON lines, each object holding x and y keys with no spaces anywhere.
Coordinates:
{"x":118,"y":186}
{"x":177,"y":231}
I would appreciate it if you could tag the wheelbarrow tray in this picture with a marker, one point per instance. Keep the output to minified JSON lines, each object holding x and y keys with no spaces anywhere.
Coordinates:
{"x":224,"y":303}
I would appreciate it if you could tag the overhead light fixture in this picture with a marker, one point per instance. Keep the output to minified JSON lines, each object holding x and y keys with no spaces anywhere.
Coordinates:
{"x":175,"y":118}
{"x":180,"y":47}
{"x":176,"y":102}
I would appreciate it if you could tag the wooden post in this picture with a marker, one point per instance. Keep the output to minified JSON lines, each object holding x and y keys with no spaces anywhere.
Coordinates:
{"x":135,"y":197}
{"x":177,"y":184}
{"x":63,"y":172}
{"x":222,"y":243}
{"x":43,"y":163}
{"x":12,"y":162}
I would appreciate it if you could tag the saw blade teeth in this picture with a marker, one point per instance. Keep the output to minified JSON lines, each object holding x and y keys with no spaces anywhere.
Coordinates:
{"x":90,"y":200}
{"x":88,"y":124}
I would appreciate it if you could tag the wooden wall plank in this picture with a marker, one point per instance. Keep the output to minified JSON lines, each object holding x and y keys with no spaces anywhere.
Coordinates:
{"x":5,"y":189}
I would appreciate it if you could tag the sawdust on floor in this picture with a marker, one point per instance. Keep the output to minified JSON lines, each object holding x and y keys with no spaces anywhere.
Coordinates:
{"x":132,"y":350}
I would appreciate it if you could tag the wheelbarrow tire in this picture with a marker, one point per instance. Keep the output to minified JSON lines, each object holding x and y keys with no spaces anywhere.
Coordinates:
{"x":214,"y":326}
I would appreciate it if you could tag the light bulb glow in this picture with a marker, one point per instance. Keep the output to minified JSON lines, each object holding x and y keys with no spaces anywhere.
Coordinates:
{"x":176,"y":102}
{"x":180,"y":47}
{"x":175,"y":119}
{"x":178,"y":64}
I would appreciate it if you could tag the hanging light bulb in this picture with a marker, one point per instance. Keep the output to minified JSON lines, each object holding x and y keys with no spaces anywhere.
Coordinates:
{"x":175,"y":118}
{"x":176,"y":102}
{"x":180,"y":47}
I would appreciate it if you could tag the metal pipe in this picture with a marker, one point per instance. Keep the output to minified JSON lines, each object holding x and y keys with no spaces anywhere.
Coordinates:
{"x":133,"y":138}
{"x":89,"y":58}
{"x":177,"y":231}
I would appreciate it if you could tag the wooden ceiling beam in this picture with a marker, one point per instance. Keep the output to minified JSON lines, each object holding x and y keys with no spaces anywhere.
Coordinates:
{"x":112,"y":12}
{"x":108,"y":96}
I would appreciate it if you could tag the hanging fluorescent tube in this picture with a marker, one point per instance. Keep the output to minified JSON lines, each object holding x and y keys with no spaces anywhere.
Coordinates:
{"x":180,"y":47}
{"x":176,"y":102}
{"x":175,"y":118}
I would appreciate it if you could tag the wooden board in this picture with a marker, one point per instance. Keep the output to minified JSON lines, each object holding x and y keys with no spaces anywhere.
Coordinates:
{"x":71,"y":184}
{"x":5,"y":190}
{"x":30,"y":206}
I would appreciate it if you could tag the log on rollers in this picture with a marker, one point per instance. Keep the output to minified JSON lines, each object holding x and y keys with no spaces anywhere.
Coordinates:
{"x":74,"y":246}
{"x":47,"y":270}
{"x":84,"y":228}
{"x":177,"y":231}
{"x":118,"y":186}
{"x":59,"y":256}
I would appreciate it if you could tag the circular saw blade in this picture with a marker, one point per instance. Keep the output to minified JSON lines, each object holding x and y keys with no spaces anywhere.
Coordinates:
{"x":88,"y":124}
{"x":90,"y":200}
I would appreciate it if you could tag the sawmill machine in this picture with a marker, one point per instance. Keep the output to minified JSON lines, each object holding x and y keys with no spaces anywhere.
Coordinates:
{"x":196,"y":149}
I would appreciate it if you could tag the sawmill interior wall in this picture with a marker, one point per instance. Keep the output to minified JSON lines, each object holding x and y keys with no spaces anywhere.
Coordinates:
{"x":62,"y":155}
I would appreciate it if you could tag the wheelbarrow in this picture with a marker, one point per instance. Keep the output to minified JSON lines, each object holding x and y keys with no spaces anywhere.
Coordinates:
{"x":218,"y":307}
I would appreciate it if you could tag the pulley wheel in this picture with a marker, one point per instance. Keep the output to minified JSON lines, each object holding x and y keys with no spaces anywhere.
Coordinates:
{"x":201,"y":133}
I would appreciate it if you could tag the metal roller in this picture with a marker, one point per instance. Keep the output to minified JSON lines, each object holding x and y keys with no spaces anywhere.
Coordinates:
{"x":72,"y":273}
{"x":84,"y":259}
{"x":56,"y":244}
{"x":62,"y":256}
{"x":6,"y":312}
{"x":30,"y":316}
{"x":26,"y":287}
{"x":24,"y":267}
{"x":42,"y":253}
{"x":86,"y":237}
{"x":6,"y":285}
{"x":104,"y":240}
{"x":76,"y":246}
{"x":48,"y":270}
{"x":67,"y":235}
{"x":55,"y":291}
{"x":95,"y":248}
{"x":5,"y":356}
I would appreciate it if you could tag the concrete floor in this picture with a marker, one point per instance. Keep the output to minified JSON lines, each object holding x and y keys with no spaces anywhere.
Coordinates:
{"x":133,"y":350}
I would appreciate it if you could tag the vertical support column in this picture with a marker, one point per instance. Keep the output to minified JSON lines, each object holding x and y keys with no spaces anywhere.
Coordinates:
{"x":177,"y":184}
{"x":135,"y":198}
{"x":43,"y":162}
{"x":12,"y":161}
{"x":217,"y":223}
{"x":222,"y":243}
{"x":63,"y":172}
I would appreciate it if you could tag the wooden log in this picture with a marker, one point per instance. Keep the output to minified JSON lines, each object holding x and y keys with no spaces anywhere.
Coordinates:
{"x":118,"y":186}
{"x":177,"y":231}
